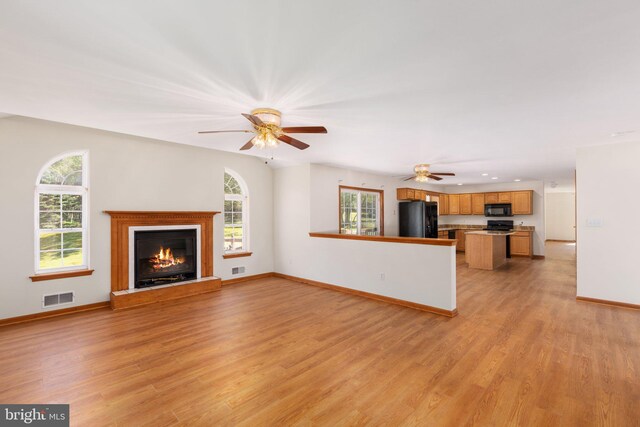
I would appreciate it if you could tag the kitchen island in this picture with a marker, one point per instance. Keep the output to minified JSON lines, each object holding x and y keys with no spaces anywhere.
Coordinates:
{"x":486,"y":250}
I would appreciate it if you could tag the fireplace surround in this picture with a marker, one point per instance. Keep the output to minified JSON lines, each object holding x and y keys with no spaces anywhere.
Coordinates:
{"x":163,"y":254}
{"x":160,"y":255}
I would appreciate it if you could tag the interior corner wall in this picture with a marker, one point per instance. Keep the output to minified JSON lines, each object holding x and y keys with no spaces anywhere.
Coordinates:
{"x":125,"y":173}
{"x":560,"y":216}
{"x":607,"y":178}
{"x":536,"y":220}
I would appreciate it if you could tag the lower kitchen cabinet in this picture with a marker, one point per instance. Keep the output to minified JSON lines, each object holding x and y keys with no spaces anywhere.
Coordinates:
{"x":460,"y":236}
{"x":522,"y":243}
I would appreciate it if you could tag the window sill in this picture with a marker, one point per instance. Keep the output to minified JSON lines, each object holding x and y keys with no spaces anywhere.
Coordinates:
{"x":236,"y":255}
{"x":60,"y":275}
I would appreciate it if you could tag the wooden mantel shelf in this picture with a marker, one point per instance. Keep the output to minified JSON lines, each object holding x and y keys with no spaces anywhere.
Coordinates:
{"x":162,"y":214}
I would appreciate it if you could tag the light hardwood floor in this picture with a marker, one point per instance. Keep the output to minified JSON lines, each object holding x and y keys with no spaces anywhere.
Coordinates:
{"x":273,"y":352}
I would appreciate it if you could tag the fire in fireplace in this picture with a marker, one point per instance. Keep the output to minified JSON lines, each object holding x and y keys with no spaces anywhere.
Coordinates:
{"x":164,"y":256}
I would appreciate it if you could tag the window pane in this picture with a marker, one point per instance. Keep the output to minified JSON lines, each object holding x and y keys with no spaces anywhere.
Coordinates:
{"x":227,"y":205}
{"x":72,"y":240}
{"x":228,"y":218}
{"x":231,"y":186}
{"x":71,"y":219}
{"x":237,"y":219}
{"x":49,"y":241}
{"x":50,"y":260}
{"x":49,"y":202}
{"x":67,"y":171}
{"x":237,"y":206}
{"x":49,"y":220}
{"x":72,"y":257}
{"x":71,"y":202}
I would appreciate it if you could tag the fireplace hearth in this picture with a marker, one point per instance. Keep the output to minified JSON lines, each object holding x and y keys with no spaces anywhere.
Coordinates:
{"x":164,"y":256}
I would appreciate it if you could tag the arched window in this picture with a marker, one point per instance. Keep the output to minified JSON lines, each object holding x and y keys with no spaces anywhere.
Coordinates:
{"x":61,"y":241}
{"x":236,"y":213}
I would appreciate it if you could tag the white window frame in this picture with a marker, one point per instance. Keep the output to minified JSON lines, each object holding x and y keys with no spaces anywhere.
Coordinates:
{"x":244,"y":198}
{"x":82,"y":190}
{"x":358,"y":191}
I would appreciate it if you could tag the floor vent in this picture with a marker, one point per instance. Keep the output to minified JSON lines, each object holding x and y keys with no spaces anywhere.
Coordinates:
{"x":237,"y":270}
{"x":57,"y":299}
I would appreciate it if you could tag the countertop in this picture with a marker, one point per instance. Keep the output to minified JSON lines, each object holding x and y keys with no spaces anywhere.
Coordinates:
{"x":491,"y":233}
{"x":476,"y":227}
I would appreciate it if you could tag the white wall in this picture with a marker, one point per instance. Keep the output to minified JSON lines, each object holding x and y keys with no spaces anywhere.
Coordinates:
{"x":559,"y":216}
{"x":420,"y":273}
{"x":607,"y":192}
{"x":126,"y":173}
{"x":325,"y":181}
{"x":536,"y":220}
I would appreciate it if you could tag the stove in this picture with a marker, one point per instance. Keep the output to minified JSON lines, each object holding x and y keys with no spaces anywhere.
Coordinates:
{"x":499,"y":225}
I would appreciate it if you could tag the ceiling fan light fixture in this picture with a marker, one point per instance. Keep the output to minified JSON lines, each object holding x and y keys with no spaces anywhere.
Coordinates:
{"x":265,"y":139}
{"x":421,"y":178}
{"x":268,"y":115}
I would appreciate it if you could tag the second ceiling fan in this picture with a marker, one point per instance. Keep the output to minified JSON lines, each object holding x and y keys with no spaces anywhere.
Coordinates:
{"x":269,"y":133}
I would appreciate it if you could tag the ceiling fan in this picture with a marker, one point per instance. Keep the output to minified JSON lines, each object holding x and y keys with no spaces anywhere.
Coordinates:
{"x":269,"y":134}
{"x":422,"y":174}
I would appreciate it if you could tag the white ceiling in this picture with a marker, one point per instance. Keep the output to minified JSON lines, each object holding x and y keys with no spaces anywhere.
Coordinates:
{"x":504,"y":87}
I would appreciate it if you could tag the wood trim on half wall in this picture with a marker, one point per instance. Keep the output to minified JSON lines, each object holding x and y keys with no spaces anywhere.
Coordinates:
{"x":390,"y":300}
{"x":122,"y":220}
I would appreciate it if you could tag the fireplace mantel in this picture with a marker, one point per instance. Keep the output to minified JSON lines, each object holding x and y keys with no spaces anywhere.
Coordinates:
{"x":122,"y":220}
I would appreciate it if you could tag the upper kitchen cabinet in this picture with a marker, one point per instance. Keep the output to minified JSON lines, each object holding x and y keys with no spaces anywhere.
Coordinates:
{"x":454,"y":204}
{"x":477,"y":203}
{"x":443,"y":202}
{"x":490,"y":198}
{"x":522,"y":202}
{"x":504,"y":197}
{"x":465,"y":204}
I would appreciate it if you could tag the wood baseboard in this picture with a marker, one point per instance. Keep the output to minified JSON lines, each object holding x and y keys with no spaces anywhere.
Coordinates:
{"x":53,"y":313}
{"x":537,"y":257}
{"x":124,"y":299}
{"x":390,"y":300}
{"x":247,"y":278}
{"x":607,"y":302}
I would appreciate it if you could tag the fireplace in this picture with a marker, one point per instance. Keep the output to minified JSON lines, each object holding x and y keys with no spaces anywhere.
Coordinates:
{"x":164,"y":256}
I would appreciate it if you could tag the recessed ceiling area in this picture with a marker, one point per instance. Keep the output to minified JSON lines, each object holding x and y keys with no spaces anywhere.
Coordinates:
{"x":505,"y":88}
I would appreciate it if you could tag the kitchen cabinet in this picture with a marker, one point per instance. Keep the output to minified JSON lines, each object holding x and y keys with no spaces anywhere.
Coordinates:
{"x":522,"y":202}
{"x":465,"y":204}
{"x":443,"y":234}
{"x":504,"y":197}
{"x":522,"y":243}
{"x":421,"y":195}
{"x":490,"y":198}
{"x":477,"y":203}
{"x":460,"y":236}
{"x":443,"y":203}
{"x":454,"y":204}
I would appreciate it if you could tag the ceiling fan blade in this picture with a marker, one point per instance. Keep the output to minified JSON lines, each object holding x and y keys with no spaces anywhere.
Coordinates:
{"x":254,"y":119}
{"x":410,"y":178}
{"x":305,"y":129}
{"x":224,"y":131}
{"x":443,"y":173}
{"x":248,"y":145}
{"x":437,"y":178}
{"x":294,"y":142}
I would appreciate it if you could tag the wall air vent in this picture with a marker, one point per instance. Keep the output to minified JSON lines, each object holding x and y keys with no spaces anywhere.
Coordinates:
{"x":237,"y":270}
{"x":57,"y":299}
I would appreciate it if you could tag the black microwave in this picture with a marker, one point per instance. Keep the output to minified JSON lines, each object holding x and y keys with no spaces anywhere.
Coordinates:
{"x":498,"y":209}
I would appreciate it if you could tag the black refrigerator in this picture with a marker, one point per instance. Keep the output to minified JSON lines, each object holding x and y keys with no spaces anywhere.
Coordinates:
{"x":418,"y":219}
